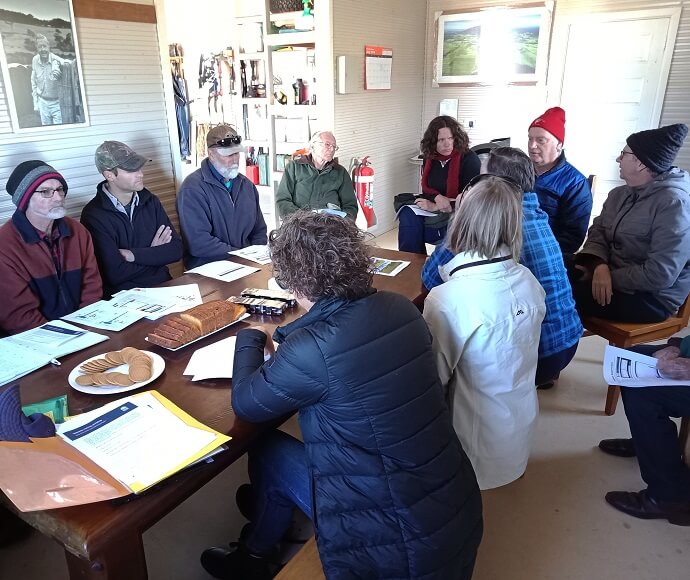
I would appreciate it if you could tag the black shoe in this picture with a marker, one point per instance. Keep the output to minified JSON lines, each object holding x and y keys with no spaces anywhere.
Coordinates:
{"x":618,"y":447}
{"x":236,"y":564}
{"x":245,"y":498}
{"x":640,"y":505}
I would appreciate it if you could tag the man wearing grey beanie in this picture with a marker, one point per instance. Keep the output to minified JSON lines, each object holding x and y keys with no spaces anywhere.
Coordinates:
{"x":636,"y":260}
{"x":46,"y":259}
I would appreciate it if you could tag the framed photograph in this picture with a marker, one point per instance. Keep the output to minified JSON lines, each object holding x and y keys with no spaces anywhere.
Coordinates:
{"x":493,"y":46}
{"x":39,"y":58}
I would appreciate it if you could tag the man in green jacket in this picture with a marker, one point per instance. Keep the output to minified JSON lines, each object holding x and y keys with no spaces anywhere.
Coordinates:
{"x":317,"y":181}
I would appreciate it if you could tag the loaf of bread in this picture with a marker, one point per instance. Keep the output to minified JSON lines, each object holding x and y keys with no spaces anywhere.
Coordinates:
{"x":212,"y":315}
{"x":177,"y":330}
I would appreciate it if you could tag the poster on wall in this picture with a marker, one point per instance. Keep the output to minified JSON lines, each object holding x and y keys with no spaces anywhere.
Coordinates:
{"x":501,"y":45}
{"x":41,"y":71}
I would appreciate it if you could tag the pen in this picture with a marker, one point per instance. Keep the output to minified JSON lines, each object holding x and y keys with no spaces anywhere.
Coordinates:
{"x":55,"y":362}
{"x":230,"y":270}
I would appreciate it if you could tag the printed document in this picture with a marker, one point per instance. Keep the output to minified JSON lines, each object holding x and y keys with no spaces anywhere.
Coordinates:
{"x":258,"y":254}
{"x":223,"y":270}
{"x":103,"y":314}
{"x":631,"y":369}
{"x":140,"y":440}
{"x":388,"y":267}
{"x":30,"y":350}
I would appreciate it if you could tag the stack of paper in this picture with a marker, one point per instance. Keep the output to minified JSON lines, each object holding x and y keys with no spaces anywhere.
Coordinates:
{"x":213,"y":361}
{"x":128,"y":306}
{"x":30,"y":350}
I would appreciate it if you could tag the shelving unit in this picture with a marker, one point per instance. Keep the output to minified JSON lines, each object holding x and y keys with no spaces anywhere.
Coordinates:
{"x":284,"y":128}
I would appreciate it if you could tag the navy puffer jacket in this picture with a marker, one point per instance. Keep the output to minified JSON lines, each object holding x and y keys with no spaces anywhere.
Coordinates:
{"x":394,"y":495}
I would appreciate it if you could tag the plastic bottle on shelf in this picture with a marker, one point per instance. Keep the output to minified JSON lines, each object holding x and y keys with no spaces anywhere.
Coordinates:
{"x":262,"y":161}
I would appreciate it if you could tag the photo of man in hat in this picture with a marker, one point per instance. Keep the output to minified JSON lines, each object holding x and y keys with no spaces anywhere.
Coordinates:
{"x":219,"y":207}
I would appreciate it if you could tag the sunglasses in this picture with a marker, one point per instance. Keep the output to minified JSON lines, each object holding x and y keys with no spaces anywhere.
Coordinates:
{"x":483,"y":177}
{"x":228,"y":141}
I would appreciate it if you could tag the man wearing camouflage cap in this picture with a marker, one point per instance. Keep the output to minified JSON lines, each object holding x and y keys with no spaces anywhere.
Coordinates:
{"x":218,"y":207}
{"x":132,"y":235}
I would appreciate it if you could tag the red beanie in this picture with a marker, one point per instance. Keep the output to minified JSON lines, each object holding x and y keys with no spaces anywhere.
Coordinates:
{"x":553,"y":121}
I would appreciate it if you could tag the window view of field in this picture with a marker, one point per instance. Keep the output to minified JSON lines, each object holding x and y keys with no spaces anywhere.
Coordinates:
{"x":489,"y":47}
{"x":460,"y":48}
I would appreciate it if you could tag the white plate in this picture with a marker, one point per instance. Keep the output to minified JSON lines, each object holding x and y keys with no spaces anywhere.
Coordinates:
{"x":186,"y":344}
{"x":158,"y":368}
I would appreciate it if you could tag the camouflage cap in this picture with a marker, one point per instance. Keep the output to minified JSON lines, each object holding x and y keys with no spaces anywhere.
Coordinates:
{"x":116,"y":155}
{"x":225,"y":140}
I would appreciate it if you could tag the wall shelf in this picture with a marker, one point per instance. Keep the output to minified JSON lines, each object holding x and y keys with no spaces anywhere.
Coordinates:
{"x":291,"y":39}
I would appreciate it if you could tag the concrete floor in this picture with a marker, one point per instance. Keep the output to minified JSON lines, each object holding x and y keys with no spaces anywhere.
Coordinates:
{"x":552,"y":524}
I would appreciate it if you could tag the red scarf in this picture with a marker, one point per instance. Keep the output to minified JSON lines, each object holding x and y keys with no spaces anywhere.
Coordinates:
{"x":453,"y":179}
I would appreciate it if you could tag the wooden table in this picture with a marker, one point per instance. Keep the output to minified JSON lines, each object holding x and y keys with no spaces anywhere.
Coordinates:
{"x":104,"y":540}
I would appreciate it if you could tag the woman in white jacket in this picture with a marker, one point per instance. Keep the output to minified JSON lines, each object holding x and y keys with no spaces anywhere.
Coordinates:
{"x":485,"y":319}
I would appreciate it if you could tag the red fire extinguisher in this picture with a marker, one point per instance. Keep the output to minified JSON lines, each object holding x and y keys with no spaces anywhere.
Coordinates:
{"x":363,"y":179}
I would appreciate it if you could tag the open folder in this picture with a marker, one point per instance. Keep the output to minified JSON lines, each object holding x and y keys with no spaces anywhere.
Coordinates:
{"x":121,"y":448}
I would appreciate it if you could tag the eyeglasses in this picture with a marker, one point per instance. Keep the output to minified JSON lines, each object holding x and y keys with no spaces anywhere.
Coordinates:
{"x":624,"y":153}
{"x":50,"y":191}
{"x":331,"y":146}
{"x":228,"y":141}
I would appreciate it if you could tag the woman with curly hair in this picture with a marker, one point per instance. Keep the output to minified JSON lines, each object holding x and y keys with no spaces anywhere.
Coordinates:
{"x":449,"y":165}
{"x":381,"y":472}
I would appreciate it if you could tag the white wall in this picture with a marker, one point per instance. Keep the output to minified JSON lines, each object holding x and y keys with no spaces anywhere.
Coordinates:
{"x":383,"y":124}
{"x":123,"y":82}
{"x":507,"y":110}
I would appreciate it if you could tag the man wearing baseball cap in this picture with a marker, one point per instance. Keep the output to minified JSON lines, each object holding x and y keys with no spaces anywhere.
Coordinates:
{"x":132,"y":235}
{"x":636,"y":261}
{"x":46,"y":258}
{"x":563,"y":191}
{"x":218,"y":207}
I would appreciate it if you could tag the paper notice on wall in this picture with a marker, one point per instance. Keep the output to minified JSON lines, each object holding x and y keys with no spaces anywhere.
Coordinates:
{"x":378,"y":66}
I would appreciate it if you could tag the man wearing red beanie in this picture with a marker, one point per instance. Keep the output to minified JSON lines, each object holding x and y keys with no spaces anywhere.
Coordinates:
{"x":563,"y":191}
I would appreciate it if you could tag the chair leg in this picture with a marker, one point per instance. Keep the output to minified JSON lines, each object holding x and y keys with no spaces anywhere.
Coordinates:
{"x":612,"y":399}
{"x":684,"y":439}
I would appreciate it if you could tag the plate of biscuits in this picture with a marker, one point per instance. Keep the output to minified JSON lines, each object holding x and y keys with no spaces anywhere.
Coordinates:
{"x":117,"y":371}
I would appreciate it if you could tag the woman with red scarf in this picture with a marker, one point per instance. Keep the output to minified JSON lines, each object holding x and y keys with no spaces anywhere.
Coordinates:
{"x":448,"y":167}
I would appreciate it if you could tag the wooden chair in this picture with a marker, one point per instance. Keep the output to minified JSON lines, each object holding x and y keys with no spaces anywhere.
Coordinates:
{"x":684,"y":439}
{"x":625,"y":334}
{"x":306,"y":565}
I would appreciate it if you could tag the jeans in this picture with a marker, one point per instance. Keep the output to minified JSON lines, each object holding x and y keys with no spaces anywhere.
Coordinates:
{"x":280,"y":477}
{"x":413,"y":234}
{"x":50,"y":112}
{"x":655,"y":438}
{"x":549,"y":367}
{"x":641,"y":307}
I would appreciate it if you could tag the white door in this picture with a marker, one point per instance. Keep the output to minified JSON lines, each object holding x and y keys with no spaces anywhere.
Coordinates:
{"x":613,"y":84}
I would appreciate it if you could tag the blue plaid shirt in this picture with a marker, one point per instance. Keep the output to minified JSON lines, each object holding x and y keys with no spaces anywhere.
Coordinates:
{"x":541,"y":254}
